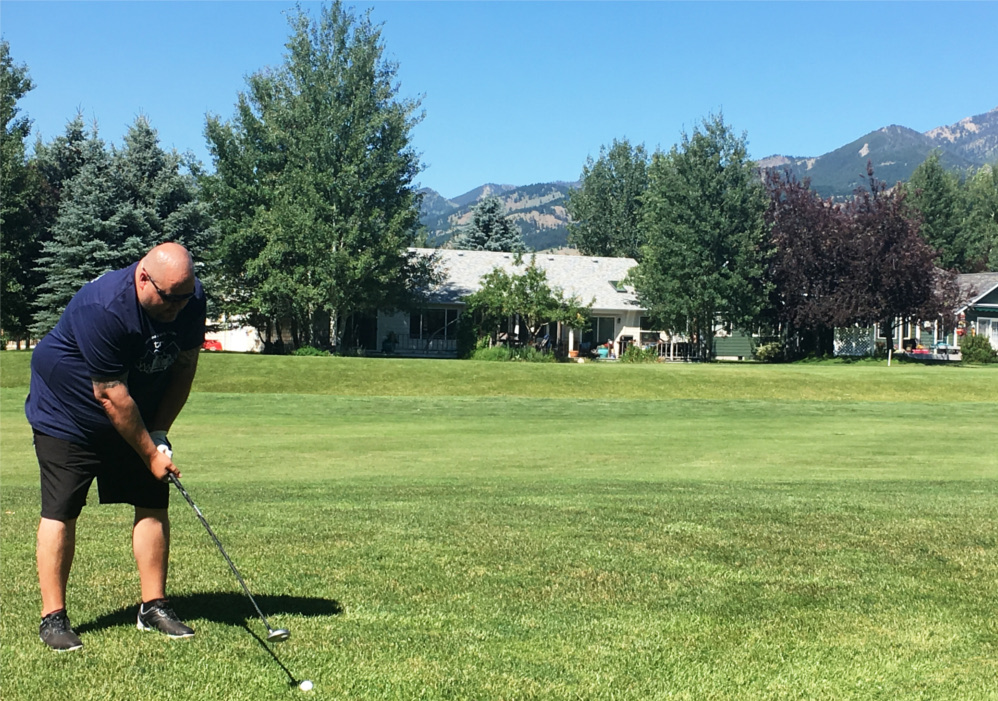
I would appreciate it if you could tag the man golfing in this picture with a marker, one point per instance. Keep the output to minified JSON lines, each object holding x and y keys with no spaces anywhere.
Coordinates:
{"x":107,"y":384}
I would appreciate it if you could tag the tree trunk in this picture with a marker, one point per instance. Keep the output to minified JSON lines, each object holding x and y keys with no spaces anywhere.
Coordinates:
{"x":279,"y":341}
{"x":334,"y":330}
{"x":321,"y":330}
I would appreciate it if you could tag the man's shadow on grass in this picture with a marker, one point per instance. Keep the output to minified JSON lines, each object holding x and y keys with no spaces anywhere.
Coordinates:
{"x":229,"y":608}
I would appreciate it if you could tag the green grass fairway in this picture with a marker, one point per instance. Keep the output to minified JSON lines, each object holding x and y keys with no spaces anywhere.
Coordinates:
{"x":462,"y":530}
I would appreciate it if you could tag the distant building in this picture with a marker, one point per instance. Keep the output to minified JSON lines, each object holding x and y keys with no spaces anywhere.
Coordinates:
{"x":616,"y":314}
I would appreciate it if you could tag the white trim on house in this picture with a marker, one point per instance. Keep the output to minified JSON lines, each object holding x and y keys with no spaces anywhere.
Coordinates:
{"x":988,"y":327}
{"x":981,"y":284}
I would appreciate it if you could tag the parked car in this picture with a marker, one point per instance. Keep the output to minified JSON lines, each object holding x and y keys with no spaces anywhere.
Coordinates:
{"x":211,"y":345}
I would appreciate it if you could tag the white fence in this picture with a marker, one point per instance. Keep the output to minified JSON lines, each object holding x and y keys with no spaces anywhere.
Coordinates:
{"x":853,"y":342}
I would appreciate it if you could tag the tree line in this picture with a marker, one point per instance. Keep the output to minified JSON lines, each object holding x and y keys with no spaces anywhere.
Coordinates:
{"x":306,"y":221}
{"x":718,"y":242}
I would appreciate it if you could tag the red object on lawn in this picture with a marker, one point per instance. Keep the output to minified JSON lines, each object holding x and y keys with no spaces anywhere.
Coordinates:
{"x":211,"y":345}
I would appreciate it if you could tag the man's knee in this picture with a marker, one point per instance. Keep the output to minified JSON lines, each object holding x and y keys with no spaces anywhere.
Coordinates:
{"x":160,"y":515}
{"x":55,"y":527}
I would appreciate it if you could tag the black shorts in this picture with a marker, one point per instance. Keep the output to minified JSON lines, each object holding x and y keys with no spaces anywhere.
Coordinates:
{"x":68,"y":470}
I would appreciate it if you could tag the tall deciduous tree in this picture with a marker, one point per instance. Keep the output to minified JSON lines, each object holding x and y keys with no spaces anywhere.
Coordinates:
{"x":313,"y":189}
{"x":606,"y":208}
{"x":862,"y":262}
{"x":810,"y":264}
{"x":895,"y":278}
{"x":490,"y":229}
{"x":702,"y":219}
{"x":18,"y":188}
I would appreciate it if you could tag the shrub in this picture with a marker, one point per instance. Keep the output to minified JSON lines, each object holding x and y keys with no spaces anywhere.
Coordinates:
{"x":491,"y":353}
{"x":769,"y":352}
{"x":525,"y":354}
{"x":637,"y":354}
{"x":309,"y":351}
{"x":977,"y":349}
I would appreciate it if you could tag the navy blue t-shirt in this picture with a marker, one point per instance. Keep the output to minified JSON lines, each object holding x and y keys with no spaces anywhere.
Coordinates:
{"x":104,"y":332}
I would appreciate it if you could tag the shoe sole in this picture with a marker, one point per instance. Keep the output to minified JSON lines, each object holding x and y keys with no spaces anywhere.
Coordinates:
{"x":149,"y":629}
{"x":65,"y":649}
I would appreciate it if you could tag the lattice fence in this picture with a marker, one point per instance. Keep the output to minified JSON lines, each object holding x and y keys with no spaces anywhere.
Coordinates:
{"x":854,"y":342}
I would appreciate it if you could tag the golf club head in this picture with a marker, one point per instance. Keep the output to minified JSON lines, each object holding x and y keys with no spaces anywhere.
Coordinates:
{"x":278,"y":636}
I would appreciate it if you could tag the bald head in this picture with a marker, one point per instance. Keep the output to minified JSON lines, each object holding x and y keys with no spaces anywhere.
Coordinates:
{"x":164,"y":280}
{"x":169,"y":260}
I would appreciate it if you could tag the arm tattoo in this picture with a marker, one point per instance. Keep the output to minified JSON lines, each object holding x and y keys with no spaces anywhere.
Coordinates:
{"x":108,"y":383}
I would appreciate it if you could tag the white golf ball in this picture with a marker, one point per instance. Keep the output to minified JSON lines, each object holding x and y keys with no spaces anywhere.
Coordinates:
{"x":305,"y":685}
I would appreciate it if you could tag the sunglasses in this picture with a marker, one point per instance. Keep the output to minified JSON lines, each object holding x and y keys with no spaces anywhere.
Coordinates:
{"x":163,"y":295}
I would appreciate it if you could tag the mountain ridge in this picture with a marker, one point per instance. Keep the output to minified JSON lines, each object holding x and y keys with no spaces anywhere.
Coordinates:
{"x":895,"y":151}
{"x":540,"y":209}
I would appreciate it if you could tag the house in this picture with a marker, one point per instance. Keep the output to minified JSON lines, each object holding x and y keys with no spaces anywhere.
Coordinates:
{"x":431,"y":331}
{"x":617,"y":315}
{"x":977,"y":314}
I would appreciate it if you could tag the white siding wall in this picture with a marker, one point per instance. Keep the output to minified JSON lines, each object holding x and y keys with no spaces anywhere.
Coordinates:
{"x":629,"y":325}
{"x":244,"y":339}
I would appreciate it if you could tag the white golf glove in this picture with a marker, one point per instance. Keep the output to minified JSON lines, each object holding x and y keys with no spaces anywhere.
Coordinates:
{"x":162,"y":444}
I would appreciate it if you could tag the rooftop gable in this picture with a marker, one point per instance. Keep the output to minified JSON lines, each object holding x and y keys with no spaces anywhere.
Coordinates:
{"x":974,"y":287}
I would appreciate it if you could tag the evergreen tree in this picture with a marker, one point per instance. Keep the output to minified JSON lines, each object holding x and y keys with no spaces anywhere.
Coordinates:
{"x":18,"y":189}
{"x":55,"y":165}
{"x":77,"y":250}
{"x":982,"y":221}
{"x":313,"y":190}
{"x":490,"y":229}
{"x":936,"y":194}
{"x":58,"y":162}
{"x":605,"y":209}
{"x":160,"y":196}
{"x":702,"y":219}
{"x":116,"y":206}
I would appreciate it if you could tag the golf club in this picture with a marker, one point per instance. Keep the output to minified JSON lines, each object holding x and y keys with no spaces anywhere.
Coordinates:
{"x":273,"y":635}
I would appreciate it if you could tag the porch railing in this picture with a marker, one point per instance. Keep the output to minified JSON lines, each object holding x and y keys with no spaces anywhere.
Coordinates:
{"x":435,"y":344}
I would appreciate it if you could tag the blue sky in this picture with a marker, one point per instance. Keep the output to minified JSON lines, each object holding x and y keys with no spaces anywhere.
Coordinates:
{"x":523,"y":92}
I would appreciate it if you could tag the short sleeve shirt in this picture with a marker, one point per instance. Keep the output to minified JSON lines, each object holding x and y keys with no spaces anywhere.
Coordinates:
{"x":104,"y":332}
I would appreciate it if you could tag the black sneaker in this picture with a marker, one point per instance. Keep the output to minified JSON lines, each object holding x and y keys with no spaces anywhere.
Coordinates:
{"x":56,"y":632}
{"x":157,"y":615}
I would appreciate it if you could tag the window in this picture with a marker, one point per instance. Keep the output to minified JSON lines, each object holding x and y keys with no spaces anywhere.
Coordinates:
{"x":989,"y":329}
{"x":433,"y":324}
{"x":600,"y":331}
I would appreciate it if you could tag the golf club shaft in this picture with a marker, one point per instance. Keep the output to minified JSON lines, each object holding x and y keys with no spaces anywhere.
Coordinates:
{"x":204,"y":522}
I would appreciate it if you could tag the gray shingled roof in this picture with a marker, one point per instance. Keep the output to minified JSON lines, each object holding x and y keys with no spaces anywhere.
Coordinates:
{"x":586,"y":277}
{"x":973,"y":286}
